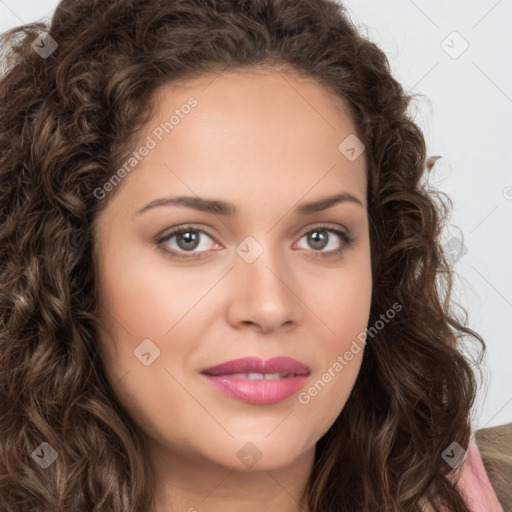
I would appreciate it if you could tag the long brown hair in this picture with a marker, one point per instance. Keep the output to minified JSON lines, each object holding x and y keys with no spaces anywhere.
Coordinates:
{"x":68,"y":120}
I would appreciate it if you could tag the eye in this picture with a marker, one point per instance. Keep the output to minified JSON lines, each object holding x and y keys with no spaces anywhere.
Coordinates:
{"x":318,"y":238}
{"x":189,"y":238}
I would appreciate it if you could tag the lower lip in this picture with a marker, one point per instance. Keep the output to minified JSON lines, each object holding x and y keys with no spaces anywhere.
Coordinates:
{"x":257,"y":391}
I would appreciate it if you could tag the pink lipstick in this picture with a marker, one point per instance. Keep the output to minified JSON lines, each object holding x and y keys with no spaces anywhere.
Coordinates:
{"x":256,"y":380}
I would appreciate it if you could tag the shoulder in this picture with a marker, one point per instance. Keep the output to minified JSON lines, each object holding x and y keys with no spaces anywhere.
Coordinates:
{"x":485,"y":477}
{"x":495,"y":446}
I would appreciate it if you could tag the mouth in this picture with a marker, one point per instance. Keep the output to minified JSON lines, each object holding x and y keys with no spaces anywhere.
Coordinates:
{"x":258,"y":381}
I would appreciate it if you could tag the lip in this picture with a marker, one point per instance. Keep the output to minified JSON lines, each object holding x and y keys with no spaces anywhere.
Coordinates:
{"x":261,"y":391}
{"x":258,"y":365}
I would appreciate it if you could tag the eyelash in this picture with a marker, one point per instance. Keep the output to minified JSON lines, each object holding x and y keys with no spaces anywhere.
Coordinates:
{"x":345,"y":237}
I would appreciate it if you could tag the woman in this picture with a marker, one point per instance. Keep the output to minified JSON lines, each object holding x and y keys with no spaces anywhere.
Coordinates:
{"x":199,"y":198}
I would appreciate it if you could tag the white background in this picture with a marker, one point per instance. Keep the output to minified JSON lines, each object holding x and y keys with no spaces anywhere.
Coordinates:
{"x":466,"y":116}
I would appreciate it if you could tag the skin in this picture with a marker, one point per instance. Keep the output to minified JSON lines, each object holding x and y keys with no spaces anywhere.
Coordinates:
{"x":266,"y":141}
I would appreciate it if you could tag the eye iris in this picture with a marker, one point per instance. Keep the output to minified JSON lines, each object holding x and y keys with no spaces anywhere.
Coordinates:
{"x":188,"y":237}
{"x":312,"y":238}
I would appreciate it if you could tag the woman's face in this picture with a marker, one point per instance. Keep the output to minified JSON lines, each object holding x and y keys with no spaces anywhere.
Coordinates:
{"x":256,"y":278}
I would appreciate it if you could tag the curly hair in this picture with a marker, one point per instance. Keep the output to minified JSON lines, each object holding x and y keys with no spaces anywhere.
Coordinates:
{"x":68,"y":121}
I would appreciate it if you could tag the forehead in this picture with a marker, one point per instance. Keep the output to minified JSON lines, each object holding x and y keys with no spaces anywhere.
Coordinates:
{"x":261,"y":133}
{"x":272,"y":101}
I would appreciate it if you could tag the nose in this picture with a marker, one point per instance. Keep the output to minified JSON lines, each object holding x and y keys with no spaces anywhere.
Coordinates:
{"x":265,"y":295}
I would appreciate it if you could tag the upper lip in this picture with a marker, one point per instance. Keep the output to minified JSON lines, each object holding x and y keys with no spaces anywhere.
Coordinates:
{"x":258,"y":365}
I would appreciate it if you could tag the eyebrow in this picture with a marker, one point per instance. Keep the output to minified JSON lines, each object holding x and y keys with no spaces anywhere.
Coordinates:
{"x":222,"y":208}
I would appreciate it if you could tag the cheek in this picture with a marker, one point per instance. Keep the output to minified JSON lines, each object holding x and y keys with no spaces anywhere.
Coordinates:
{"x":345,"y":310}
{"x":135,"y":304}
{"x":140,"y":298}
{"x":351,"y":308}
{"x":345,"y":304}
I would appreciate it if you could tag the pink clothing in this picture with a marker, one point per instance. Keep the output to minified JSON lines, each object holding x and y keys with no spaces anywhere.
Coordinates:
{"x":474,"y":483}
